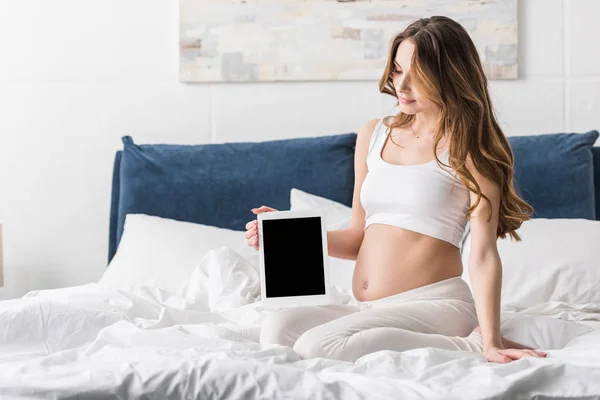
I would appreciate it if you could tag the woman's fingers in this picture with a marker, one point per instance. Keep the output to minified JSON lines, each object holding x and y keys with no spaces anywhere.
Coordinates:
{"x":533,"y":353}
{"x":516,"y":354}
{"x":253,"y":223}
{"x":251,"y":237}
{"x":251,"y":234}
{"x":536,"y":353}
{"x":253,"y":241}
{"x":251,"y":229}
{"x":262,"y":209}
{"x":513,"y":354}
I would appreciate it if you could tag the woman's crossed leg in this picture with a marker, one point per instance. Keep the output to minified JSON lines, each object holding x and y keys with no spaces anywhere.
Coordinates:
{"x":345,"y":332}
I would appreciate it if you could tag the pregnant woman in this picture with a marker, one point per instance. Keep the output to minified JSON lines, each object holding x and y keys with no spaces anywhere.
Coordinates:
{"x":419,"y":177}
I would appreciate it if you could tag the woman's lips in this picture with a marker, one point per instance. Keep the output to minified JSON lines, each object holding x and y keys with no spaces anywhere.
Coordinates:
{"x":405,"y":101}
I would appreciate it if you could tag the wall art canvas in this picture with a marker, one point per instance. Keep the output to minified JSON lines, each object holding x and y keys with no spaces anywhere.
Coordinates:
{"x":300,"y":40}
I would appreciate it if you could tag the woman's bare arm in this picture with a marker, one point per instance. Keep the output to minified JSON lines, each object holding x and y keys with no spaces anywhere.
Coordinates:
{"x":345,"y":243}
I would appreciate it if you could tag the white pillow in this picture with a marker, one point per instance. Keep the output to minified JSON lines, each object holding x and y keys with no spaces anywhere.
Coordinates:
{"x":337,"y":216}
{"x":557,"y":260}
{"x":163,"y":253}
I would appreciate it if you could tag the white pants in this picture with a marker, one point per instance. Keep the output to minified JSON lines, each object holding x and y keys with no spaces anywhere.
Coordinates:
{"x":441,"y":314}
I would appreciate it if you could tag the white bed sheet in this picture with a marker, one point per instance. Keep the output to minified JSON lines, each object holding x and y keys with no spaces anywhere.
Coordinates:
{"x":91,"y":340}
{"x":593,"y":324}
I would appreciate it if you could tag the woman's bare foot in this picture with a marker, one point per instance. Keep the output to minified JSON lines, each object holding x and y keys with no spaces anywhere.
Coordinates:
{"x":508,"y":344}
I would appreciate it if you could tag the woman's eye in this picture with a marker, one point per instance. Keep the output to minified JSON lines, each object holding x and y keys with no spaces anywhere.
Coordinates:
{"x":397,"y":72}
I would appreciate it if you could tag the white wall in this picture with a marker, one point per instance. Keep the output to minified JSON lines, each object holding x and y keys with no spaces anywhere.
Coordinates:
{"x":76,"y":75}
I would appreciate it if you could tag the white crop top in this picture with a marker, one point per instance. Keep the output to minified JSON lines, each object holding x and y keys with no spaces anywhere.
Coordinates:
{"x":423,"y":198}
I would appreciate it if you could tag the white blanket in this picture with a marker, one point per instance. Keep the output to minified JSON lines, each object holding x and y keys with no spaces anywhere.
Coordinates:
{"x":91,"y":340}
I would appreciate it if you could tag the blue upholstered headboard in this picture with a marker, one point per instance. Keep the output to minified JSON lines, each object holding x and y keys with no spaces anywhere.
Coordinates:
{"x":218,"y":184}
{"x":114,"y":207}
{"x":323,"y":166}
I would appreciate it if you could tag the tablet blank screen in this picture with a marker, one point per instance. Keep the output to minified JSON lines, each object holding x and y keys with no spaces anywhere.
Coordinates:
{"x":293,"y":256}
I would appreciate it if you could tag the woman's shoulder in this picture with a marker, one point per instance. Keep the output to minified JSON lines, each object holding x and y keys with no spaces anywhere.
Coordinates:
{"x":369,"y":129}
{"x":367,"y":132}
{"x":364,"y":140}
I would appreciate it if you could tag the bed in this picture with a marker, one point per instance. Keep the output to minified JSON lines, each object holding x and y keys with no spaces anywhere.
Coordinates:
{"x":177,"y":313}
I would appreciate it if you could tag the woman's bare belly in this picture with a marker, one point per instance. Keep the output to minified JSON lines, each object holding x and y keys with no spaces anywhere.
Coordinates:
{"x":392,"y":260}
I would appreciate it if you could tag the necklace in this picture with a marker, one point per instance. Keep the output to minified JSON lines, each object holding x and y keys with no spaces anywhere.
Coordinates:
{"x":413,"y":131}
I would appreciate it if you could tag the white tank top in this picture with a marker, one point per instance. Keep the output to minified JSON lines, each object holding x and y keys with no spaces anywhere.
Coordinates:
{"x":423,"y":198}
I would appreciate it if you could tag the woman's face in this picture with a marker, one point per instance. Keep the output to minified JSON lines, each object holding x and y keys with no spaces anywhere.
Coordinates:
{"x":410,"y":101}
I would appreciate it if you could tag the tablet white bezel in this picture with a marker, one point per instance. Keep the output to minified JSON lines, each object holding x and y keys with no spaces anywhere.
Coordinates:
{"x":293,"y":301}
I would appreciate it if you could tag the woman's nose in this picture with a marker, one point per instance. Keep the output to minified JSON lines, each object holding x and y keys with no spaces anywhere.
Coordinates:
{"x":403,"y":85}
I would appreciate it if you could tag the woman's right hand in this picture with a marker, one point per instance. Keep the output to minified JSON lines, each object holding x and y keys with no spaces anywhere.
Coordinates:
{"x":252,"y":227}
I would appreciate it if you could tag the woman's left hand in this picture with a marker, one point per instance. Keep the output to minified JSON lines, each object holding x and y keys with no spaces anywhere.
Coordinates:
{"x":503,"y":356}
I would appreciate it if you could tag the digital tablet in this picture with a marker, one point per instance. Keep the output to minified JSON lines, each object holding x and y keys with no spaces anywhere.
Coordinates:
{"x":293,"y":258}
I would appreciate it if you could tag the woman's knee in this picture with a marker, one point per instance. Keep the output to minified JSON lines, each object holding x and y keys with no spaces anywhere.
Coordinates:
{"x":309,"y":344}
{"x":322,"y":342}
{"x":285,"y":326}
{"x":278,"y":328}
{"x":271,"y":330}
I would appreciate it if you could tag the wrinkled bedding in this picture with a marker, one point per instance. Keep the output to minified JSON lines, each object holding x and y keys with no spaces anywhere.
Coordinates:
{"x":92,"y":340}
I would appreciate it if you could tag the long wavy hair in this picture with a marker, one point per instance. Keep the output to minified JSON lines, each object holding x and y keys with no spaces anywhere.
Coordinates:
{"x":447,"y":70}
